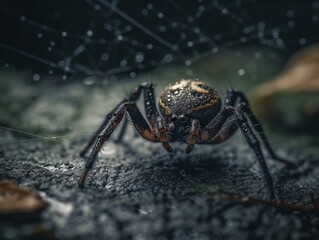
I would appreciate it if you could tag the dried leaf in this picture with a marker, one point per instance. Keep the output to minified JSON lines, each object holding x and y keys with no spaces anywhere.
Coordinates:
{"x":16,"y":200}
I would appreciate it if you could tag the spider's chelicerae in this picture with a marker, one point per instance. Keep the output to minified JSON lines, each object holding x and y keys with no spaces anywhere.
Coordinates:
{"x":191,"y":112}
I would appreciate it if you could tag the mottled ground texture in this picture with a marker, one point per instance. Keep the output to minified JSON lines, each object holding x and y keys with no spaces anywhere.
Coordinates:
{"x":137,"y":190}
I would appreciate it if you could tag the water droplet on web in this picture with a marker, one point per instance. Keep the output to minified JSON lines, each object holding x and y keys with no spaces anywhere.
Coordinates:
{"x":190,"y":44}
{"x":145,"y":12}
{"x":290,"y":13}
{"x":160,"y":15}
{"x":105,"y":82}
{"x":89,"y":80}
{"x":97,"y":7}
{"x":139,"y":57}
{"x":291,"y":24}
{"x":190,"y":19}
{"x":123,"y":63}
{"x":257,"y":55}
{"x":224,"y":11}
{"x":89,"y":33}
{"x":241,"y":72}
{"x":104,"y":57}
{"x":302,"y":41}
{"x":176,"y":92}
{"x":168,"y":58}
{"x":36,"y":77}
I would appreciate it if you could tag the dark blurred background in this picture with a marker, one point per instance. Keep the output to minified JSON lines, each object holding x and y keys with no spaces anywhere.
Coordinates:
{"x":114,"y":38}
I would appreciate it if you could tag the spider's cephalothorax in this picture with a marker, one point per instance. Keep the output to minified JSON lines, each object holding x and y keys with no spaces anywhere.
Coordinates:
{"x":185,"y":100}
{"x":190,"y":112}
{"x":190,"y":98}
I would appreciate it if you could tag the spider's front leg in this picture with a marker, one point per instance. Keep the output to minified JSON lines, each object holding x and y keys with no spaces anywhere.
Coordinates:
{"x":151,"y":112}
{"x":231,"y":98}
{"x":138,"y":121}
{"x":194,"y":135}
{"x":216,"y":127}
{"x":135,"y":94}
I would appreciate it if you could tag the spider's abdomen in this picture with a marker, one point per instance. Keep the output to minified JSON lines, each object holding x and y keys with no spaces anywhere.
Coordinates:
{"x":193,"y":98}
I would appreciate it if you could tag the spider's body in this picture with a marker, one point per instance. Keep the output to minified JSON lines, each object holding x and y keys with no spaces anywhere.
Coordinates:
{"x":185,"y":100}
{"x":190,"y":112}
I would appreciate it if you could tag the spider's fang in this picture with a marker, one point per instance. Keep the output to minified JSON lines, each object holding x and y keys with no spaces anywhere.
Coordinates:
{"x":189,"y":148}
{"x":167,"y":147}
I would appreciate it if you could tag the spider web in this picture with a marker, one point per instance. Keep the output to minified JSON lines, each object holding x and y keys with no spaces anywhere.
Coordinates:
{"x":112,"y":38}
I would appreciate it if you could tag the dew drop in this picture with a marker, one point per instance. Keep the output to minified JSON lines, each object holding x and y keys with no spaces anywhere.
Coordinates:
{"x":89,"y":80}
{"x":139,"y":57}
{"x":104,"y":57}
{"x":176,"y":92}
{"x":241,"y":72}
{"x":89,"y":33}
{"x":36,"y":77}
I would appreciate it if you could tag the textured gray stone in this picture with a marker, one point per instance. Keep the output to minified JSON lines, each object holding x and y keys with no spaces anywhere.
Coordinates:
{"x":137,"y":190}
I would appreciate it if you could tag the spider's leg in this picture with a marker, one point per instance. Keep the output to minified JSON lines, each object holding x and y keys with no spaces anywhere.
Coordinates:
{"x":122,"y":131}
{"x":106,"y":120}
{"x":135,"y":94}
{"x":214,"y":127}
{"x":153,"y":116}
{"x":139,"y":123}
{"x":194,"y":136}
{"x":228,"y":130}
{"x":151,"y":112}
{"x":231,"y":98}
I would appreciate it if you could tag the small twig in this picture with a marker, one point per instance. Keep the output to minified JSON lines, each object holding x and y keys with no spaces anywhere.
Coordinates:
{"x":277,"y":203}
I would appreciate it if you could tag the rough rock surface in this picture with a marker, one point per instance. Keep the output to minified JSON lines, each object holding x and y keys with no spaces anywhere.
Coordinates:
{"x":137,"y":190}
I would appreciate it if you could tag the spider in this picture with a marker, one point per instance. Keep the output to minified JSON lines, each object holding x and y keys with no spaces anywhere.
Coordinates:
{"x":191,"y":112}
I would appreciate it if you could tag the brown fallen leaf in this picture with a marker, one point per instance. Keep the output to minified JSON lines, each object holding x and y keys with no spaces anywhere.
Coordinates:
{"x":292,"y":98}
{"x":19,"y":202}
{"x":301,"y":74}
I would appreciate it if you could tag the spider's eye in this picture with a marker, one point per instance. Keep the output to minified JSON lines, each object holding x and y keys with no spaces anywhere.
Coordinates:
{"x":182,"y":118}
{"x":174,"y":118}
